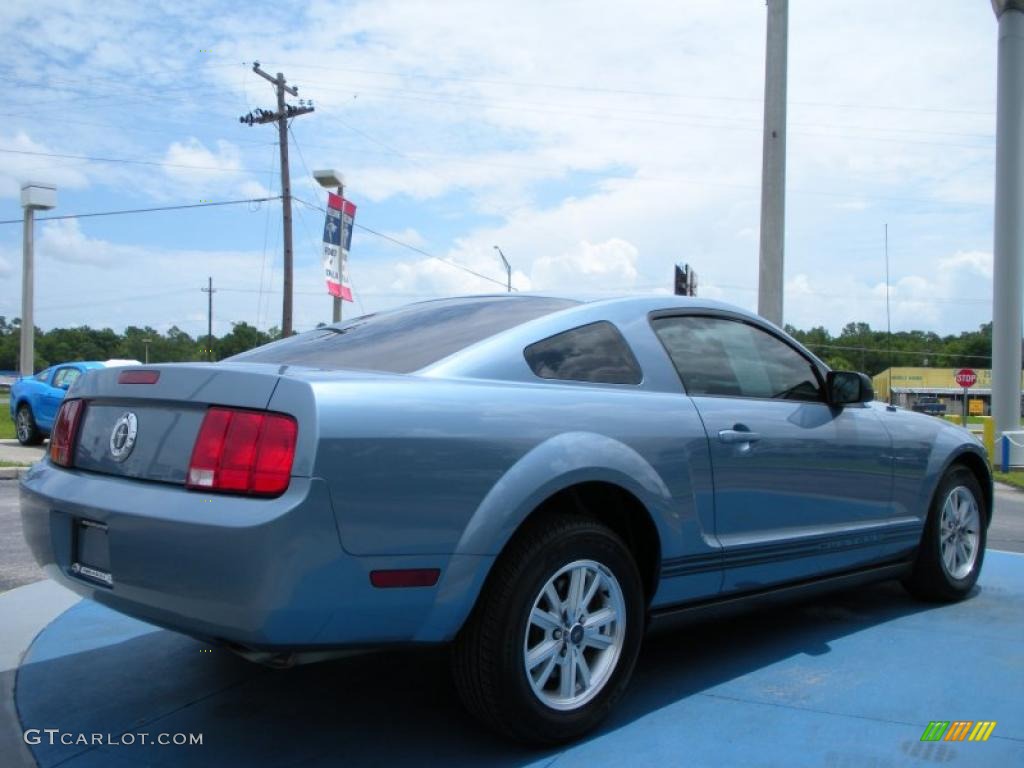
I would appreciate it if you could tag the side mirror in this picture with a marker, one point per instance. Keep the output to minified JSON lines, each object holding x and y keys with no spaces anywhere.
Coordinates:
{"x":846,"y":387}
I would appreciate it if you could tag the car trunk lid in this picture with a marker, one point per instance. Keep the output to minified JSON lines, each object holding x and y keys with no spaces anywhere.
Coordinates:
{"x":159,"y":421}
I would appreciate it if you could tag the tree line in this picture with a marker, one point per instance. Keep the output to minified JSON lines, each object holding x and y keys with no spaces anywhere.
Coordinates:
{"x":857,"y":347}
{"x":62,"y":345}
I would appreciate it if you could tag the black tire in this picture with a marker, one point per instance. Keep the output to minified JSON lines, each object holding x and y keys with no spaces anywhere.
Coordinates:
{"x":488,"y":656}
{"x":931,"y":578}
{"x":25,"y":426}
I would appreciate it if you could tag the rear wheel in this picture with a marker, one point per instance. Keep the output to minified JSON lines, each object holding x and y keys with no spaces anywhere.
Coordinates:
{"x":553,"y":640}
{"x":953,"y":546}
{"x":25,"y":426}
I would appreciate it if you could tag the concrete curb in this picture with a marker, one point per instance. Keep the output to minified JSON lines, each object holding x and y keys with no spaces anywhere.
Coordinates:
{"x":12,"y":473}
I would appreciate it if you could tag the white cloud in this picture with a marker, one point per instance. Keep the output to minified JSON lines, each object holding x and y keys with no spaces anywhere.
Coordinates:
{"x":17,"y":168}
{"x":917,"y":301}
{"x":409,"y":236}
{"x":64,"y":241}
{"x":568,"y":133}
{"x":190,"y":160}
{"x":610,"y":265}
{"x":253,"y":189}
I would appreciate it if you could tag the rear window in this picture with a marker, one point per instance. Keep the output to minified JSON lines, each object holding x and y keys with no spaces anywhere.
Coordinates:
{"x":407,"y":339}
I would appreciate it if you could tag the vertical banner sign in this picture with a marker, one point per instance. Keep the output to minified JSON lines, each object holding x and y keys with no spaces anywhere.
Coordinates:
{"x":341,"y":215}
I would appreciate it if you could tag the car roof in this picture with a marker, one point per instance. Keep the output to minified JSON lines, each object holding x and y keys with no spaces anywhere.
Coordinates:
{"x":619,"y":306}
{"x":490,"y":357}
{"x":626,"y":304}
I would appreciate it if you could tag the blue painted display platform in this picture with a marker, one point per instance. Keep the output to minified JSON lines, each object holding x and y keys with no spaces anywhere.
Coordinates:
{"x":851,"y":679}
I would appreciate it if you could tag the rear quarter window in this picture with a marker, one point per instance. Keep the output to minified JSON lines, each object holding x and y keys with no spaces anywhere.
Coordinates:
{"x":594,"y":353}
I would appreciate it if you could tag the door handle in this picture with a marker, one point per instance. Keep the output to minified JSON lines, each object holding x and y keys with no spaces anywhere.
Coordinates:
{"x":738,"y":436}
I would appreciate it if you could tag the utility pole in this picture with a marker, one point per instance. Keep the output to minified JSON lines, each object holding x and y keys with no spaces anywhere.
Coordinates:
{"x":281,"y":116}
{"x":209,"y":318}
{"x":508,"y":269}
{"x":1008,"y":251}
{"x":773,"y":171}
{"x":34,"y":197}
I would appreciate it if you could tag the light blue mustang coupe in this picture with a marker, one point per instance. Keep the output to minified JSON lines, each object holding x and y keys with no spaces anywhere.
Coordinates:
{"x":532,"y":480}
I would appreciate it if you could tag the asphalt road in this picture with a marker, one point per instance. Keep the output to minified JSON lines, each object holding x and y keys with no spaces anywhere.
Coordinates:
{"x":17,"y":566}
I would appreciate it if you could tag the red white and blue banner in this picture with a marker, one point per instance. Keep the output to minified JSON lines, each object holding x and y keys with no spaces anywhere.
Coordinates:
{"x":341,"y":215}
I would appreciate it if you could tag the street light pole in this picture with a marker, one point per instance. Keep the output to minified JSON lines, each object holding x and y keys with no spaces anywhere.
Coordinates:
{"x":508,"y":269}
{"x":1008,"y":251}
{"x":336,"y":303}
{"x":331,"y":178}
{"x":34,"y":197}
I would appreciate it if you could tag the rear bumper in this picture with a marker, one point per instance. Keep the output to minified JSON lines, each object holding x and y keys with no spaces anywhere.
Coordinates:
{"x":262,"y":573}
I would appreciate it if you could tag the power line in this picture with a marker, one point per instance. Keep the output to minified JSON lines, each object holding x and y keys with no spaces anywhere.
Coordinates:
{"x":917,"y":352}
{"x":147,"y":210}
{"x":420,"y":251}
{"x":129,"y":161}
{"x":658,"y":117}
{"x":638,"y":92}
{"x":412,"y":159}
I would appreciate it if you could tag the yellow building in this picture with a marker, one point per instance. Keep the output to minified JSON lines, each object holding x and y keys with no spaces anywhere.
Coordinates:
{"x":907,"y":386}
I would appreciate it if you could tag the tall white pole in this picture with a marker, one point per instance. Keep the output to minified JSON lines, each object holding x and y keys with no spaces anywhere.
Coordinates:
{"x":773,"y":171}
{"x":28,"y":328}
{"x":1008,"y":256}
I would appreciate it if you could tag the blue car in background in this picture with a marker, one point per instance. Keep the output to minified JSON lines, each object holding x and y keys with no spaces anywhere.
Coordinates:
{"x":35,"y":400}
{"x":534,"y":481}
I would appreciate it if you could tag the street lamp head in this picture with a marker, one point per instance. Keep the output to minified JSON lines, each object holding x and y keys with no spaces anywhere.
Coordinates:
{"x":329,"y":178}
{"x":999,"y":6}
{"x":38,"y":196}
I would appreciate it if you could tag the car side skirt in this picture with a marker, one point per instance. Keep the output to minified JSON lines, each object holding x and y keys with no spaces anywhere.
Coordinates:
{"x":674,"y":616}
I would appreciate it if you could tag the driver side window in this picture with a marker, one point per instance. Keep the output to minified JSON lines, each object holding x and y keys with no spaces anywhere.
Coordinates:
{"x":65,"y":377}
{"x":718,"y":356}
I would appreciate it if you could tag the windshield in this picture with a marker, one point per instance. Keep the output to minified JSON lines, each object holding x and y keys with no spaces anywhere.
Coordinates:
{"x":407,"y":339}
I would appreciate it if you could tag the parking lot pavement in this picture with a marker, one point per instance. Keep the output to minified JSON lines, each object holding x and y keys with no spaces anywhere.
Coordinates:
{"x":12,"y":450}
{"x":16,"y":564}
{"x":852,"y":679}
{"x":1007,"y":530}
{"x":846,"y":680}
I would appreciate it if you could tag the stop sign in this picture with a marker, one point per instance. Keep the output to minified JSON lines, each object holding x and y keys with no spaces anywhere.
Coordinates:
{"x":966,"y":377}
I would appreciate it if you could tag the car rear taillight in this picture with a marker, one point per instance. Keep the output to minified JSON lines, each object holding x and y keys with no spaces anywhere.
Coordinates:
{"x":240,"y":451}
{"x":65,"y":428}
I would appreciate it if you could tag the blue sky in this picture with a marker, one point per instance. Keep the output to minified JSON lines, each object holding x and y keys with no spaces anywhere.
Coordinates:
{"x":595,"y":146}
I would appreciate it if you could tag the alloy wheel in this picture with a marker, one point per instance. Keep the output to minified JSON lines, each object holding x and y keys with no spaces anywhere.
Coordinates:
{"x":575,"y":635}
{"x":958,"y":532}
{"x":24,"y":424}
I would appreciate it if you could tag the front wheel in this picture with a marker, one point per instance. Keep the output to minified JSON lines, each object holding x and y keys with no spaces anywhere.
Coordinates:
{"x":953,"y":545}
{"x":553,"y":640}
{"x":25,"y":426}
